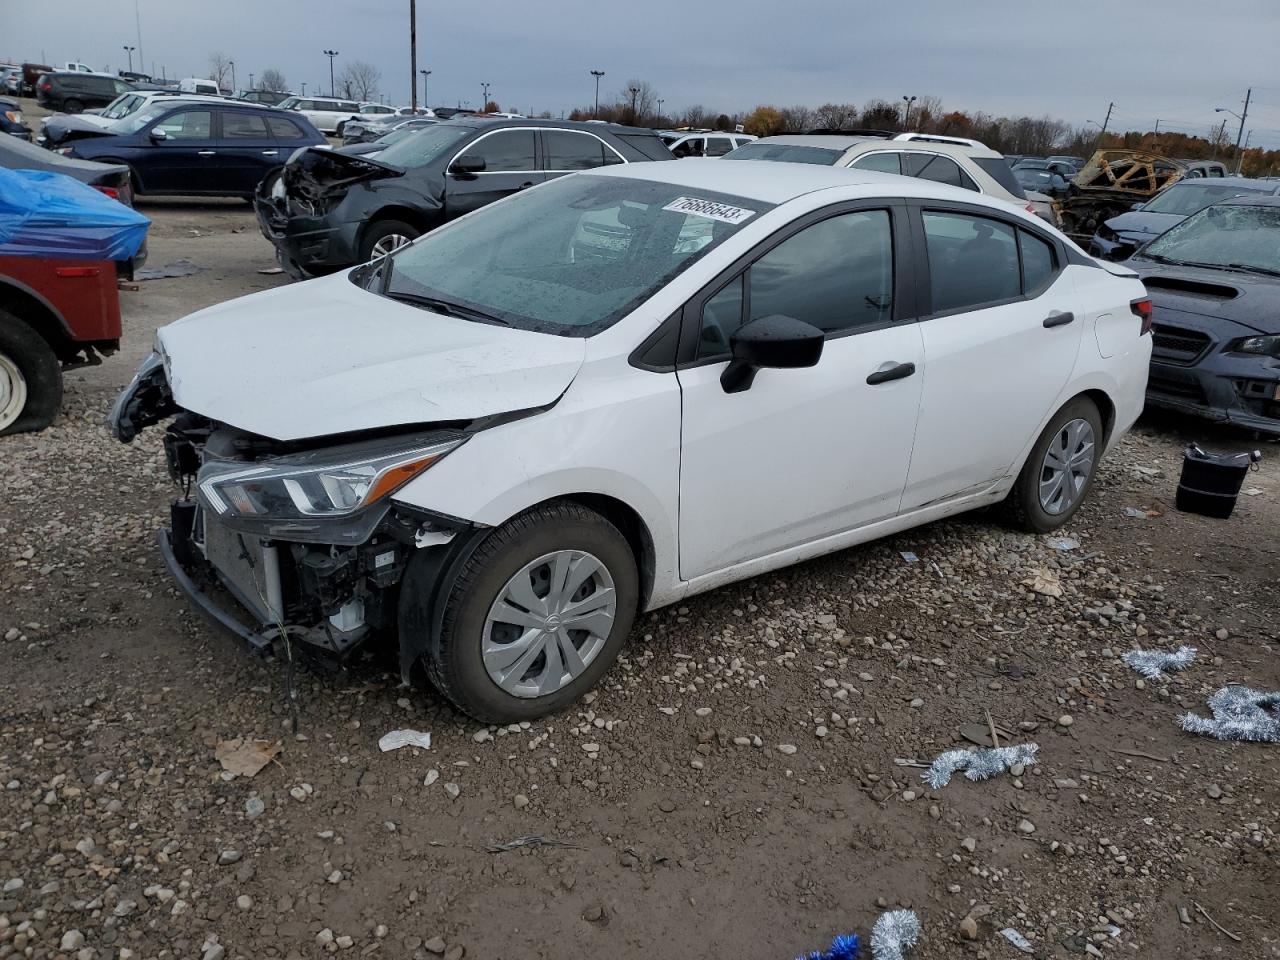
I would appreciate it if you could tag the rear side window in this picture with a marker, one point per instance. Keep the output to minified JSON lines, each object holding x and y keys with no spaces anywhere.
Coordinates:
{"x":283,"y":129}
{"x":883,"y":162}
{"x":187,"y":125}
{"x":997,"y":168}
{"x":719,"y":146}
{"x":244,"y":126}
{"x":937,"y":168}
{"x":973,"y":261}
{"x":575,"y":151}
{"x":505,"y":151}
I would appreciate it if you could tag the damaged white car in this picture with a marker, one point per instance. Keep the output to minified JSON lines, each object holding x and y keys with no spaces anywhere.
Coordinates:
{"x":499,"y":444}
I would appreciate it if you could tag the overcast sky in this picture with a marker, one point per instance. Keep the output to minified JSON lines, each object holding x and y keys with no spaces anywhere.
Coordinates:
{"x":1172,"y":59}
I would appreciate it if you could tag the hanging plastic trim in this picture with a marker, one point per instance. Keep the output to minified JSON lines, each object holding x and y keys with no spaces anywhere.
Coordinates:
{"x":894,"y":934}
{"x":1239,"y":714}
{"x":1153,"y":664}
{"x":844,"y":946}
{"x":978,"y":764}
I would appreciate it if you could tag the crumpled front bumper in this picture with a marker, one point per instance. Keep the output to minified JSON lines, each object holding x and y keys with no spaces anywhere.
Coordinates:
{"x":314,"y":243}
{"x":1228,"y":388}
{"x":1122,"y":247}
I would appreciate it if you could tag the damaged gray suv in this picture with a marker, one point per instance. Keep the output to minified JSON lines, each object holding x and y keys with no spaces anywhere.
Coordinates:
{"x":327,"y":209}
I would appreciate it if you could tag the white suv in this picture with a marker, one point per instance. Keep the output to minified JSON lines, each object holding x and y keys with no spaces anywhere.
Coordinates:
{"x":325,"y":113}
{"x":954,"y":161}
{"x":130,"y":103}
{"x":702,"y":143}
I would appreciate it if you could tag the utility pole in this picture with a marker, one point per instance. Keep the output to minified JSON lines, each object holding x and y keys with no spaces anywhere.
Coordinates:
{"x":251,"y":81}
{"x":137,"y":22}
{"x":232,"y":64}
{"x":595,"y":114}
{"x":1239,"y":157}
{"x":660,"y":103}
{"x":330,"y":54}
{"x":1157,"y":126}
{"x":484,"y":103}
{"x":304,"y":88}
{"x":129,"y":51}
{"x":426,"y":100}
{"x":413,"y":55}
{"x":906,"y":117}
{"x":635,"y":92}
{"x":1107,"y":119}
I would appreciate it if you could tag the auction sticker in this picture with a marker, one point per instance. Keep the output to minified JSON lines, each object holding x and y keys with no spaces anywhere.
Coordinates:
{"x":709,"y":209}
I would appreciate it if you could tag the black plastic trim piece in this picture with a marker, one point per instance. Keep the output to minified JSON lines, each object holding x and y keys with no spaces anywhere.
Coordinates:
{"x":201,"y":600}
{"x":657,"y":352}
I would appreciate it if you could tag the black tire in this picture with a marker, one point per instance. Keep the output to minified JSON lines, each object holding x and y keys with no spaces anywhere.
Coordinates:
{"x":337,"y":131}
{"x":72,"y":106}
{"x":380,"y":230}
{"x":41,"y":373}
{"x":1022,"y":508}
{"x":454,"y":661}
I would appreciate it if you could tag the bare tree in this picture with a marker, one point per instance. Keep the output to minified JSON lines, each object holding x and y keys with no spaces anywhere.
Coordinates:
{"x":219,"y":68}
{"x":836,"y":116}
{"x":641,"y":101}
{"x":797,"y":119}
{"x":694,"y":116}
{"x":272,"y":79}
{"x":927,"y":114}
{"x":360,"y":80}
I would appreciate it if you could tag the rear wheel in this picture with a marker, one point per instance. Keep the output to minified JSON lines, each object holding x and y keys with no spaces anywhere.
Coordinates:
{"x":72,"y":106}
{"x":30,"y":378}
{"x":384,"y":236}
{"x":1059,"y":470}
{"x":536,"y":615}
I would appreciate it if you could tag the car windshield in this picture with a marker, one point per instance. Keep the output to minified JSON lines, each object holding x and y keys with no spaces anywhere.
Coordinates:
{"x":1226,"y":235}
{"x":1033,"y":178}
{"x":570,"y":257}
{"x":418,"y":151}
{"x":140,"y":118}
{"x":396,"y":135}
{"x":1184,"y":199}
{"x":120,"y":106}
{"x":784,"y":152}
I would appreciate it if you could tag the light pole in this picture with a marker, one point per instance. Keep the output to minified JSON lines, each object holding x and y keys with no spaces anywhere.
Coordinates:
{"x":330,"y":54}
{"x":251,"y":81}
{"x":635,"y":92}
{"x":660,"y":103}
{"x":232,"y":64}
{"x":906,"y":117}
{"x":595,"y":114}
{"x":1241,"y":117}
{"x":426,"y":101}
{"x":484,"y":102}
{"x":413,"y":56}
{"x":304,"y":88}
{"x":129,"y":51}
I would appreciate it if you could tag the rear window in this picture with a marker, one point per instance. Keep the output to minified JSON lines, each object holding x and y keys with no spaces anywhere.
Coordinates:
{"x":998,"y":170}
{"x":785,"y":152}
{"x":646,"y":144}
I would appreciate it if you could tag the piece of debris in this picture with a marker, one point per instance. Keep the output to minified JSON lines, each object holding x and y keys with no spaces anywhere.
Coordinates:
{"x":530,"y":842}
{"x":1239,"y":713}
{"x":1063,"y":543}
{"x":1135,"y":513}
{"x":1017,"y":939}
{"x":1253,"y":492}
{"x":894,"y":934}
{"x":910,"y":557}
{"x":978,"y":764}
{"x":179,"y":268}
{"x":271,"y":271}
{"x":844,"y":946}
{"x":1152,"y":664}
{"x":404,"y":738}
{"x":1044,"y":581}
{"x":242,"y":757}
{"x":1216,"y":925}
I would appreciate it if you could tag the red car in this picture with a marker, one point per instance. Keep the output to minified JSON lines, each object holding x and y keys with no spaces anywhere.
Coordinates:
{"x":54,"y":315}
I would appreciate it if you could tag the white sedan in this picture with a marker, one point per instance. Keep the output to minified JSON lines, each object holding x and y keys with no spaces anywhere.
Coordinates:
{"x":618,"y":389}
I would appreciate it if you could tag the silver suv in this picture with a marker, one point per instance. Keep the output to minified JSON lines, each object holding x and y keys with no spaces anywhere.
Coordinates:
{"x":951,"y":160}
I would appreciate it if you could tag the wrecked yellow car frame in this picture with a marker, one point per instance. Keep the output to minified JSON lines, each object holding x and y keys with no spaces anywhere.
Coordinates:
{"x":1110,"y":184}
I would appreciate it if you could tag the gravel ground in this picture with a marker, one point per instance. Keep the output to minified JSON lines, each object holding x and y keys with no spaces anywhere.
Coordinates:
{"x":732,"y":790}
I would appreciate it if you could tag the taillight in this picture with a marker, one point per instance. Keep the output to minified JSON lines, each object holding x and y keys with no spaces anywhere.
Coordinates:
{"x":111,"y":192}
{"x":1142,"y":310}
{"x":1030,"y":208}
{"x":46,"y":85}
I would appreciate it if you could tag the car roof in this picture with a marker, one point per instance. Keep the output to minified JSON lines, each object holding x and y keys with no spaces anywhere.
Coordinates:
{"x":1248,"y":183}
{"x":589,"y":125}
{"x":846,"y":142}
{"x":1250,"y":200}
{"x":776,"y":182}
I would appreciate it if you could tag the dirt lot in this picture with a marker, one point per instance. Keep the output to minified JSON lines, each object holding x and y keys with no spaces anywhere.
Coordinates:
{"x":742,"y":798}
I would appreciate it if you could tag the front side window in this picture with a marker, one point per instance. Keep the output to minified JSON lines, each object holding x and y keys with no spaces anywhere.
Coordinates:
{"x":506,"y":151}
{"x":570,"y":257}
{"x":883,"y":162}
{"x":721,"y":316}
{"x":187,"y":125}
{"x":290,"y":103}
{"x":973,"y":261}
{"x":692,"y":147}
{"x":244,"y":126}
{"x":718,"y":146}
{"x":575,"y":151}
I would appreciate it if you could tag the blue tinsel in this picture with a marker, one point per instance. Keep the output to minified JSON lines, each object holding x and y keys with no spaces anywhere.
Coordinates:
{"x":844,"y":946}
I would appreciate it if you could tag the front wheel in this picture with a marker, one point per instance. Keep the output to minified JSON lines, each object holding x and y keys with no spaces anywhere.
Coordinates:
{"x":72,"y":106}
{"x":536,"y":615}
{"x":1060,"y":469}
{"x":384,"y":236}
{"x":30,"y":378}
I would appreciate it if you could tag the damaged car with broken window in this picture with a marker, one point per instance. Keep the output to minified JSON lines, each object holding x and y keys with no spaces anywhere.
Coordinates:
{"x":495,"y":446}
{"x":330,"y":209}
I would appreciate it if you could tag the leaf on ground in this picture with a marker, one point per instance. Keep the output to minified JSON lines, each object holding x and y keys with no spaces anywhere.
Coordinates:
{"x":1045,"y":582}
{"x":242,"y":757}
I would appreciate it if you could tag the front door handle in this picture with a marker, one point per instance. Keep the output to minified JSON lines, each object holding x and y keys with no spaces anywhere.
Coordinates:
{"x":1059,"y":319}
{"x":206,"y":153}
{"x":270,"y":153}
{"x":891,"y":371}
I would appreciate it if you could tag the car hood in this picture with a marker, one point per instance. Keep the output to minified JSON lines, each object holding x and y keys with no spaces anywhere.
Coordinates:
{"x":1250,"y":300}
{"x":327,"y":357}
{"x":63,"y":127}
{"x":1139,"y":222}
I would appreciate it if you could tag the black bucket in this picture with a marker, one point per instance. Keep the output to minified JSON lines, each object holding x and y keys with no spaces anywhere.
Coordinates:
{"x":1210,"y":483}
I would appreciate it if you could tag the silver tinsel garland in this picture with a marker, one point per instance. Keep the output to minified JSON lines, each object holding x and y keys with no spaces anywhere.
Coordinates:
{"x":894,"y":934}
{"x":1152,"y":664}
{"x":978,"y":764}
{"x":1239,"y":714}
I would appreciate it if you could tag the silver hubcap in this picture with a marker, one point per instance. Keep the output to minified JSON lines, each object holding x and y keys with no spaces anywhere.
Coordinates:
{"x":1068,"y":464}
{"x":13,"y":391}
{"x":549,"y":623}
{"x":392,"y":241}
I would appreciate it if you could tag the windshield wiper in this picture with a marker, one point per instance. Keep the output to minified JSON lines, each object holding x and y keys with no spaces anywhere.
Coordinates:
{"x":1158,"y":258}
{"x":1254,"y":268}
{"x":447,"y":307}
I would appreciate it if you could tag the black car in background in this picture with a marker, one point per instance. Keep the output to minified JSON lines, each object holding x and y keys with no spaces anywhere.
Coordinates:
{"x":211,"y":148}
{"x":270,"y":98}
{"x":327,"y":209}
{"x":1214,"y":282}
{"x":72,"y":92}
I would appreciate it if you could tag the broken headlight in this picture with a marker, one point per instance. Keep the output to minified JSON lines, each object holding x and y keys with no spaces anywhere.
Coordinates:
{"x":1267,"y":346}
{"x":330,"y":495}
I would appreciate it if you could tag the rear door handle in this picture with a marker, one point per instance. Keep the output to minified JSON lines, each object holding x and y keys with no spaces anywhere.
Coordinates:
{"x":895,"y":372}
{"x":206,"y":153}
{"x":270,"y":153}
{"x":1059,"y":319}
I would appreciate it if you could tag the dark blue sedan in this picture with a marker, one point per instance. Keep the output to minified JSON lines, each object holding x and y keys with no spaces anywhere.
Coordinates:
{"x":211,"y":148}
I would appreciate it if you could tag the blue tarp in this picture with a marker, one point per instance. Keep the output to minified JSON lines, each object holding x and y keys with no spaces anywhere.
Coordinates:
{"x":51,"y":215}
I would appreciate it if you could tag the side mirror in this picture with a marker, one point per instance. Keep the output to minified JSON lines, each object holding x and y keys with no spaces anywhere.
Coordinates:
{"x":775,"y":341}
{"x":1137,"y":206}
{"x":467,"y":165}
{"x":157,"y":134}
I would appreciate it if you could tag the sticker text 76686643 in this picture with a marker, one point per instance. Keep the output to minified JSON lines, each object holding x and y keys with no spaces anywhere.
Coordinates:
{"x":709,"y":209}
